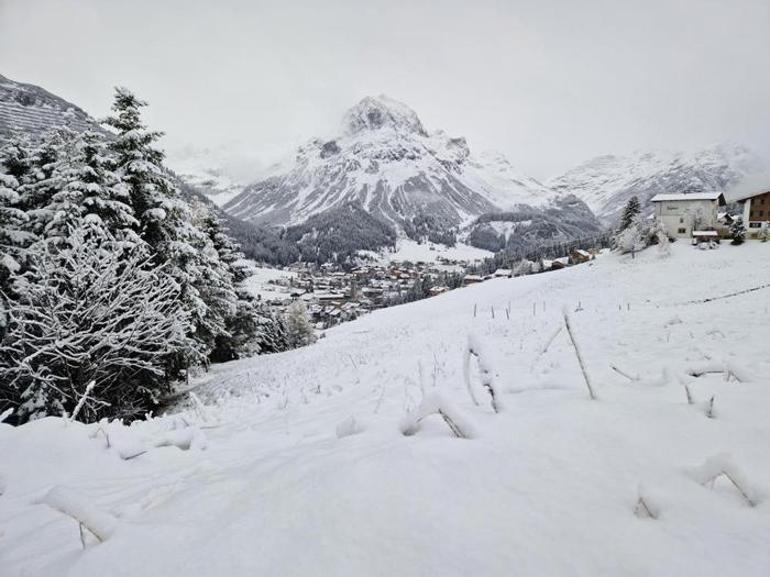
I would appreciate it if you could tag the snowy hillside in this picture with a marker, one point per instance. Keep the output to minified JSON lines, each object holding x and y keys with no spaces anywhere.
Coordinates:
{"x":31,"y":110}
{"x":606,"y":183}
{"x":385,"y":160}
{"x":298,"y":465}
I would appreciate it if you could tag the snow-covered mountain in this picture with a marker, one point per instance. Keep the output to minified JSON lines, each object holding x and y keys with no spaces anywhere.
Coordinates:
{"x":31,"y":110}
{"x":387,"y":162}
{"x":421,"y":184}
{"x":606,"y":183}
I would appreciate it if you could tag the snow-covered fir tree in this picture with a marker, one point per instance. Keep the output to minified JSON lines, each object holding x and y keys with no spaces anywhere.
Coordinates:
{"x":12,"y":234}
{"x":630,"y":213}
{"x":165,"y":224}
{"x":272,"y":335}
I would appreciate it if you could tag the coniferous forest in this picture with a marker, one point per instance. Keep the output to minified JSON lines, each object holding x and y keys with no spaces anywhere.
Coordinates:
{"x":111,"y":280}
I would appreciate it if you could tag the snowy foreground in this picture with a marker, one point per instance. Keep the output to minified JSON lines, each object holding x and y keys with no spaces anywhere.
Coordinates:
{"x":297,"y":464}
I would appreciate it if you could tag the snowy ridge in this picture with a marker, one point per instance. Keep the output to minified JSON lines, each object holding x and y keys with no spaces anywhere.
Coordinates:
{"x":606,"y":183}
{"x":31,"y":110}
{"x":386,"y":161}
{"x":295,"y":463}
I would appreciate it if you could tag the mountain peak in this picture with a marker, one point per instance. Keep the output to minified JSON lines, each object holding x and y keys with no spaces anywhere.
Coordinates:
{"x":377,"y":112}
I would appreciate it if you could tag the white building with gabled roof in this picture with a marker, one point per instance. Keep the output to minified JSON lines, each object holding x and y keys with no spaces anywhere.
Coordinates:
{"x":683,"y":213}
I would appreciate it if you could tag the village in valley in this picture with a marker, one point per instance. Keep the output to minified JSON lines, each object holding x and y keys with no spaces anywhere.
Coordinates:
{"x":334,"y":294}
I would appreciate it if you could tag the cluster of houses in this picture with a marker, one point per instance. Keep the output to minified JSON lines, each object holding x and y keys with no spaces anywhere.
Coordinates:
{"x":700,"y":216}
{"x":334,"y":295}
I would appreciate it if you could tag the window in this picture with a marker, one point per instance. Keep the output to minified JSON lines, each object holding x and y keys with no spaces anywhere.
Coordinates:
{"x":761,"y":213}
{"x":681,"y":220}
{"x":682,"y":231}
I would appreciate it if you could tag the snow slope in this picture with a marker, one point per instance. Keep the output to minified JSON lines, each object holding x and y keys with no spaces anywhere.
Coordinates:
{"x":296,"y":466}
{"x":26,"y":109}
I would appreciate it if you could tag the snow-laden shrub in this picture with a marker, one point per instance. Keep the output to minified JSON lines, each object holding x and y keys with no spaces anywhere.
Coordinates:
{"x":435,"y":404}
{"x":348,"y":427}
{"x":722,"y":465}
{"x":299,"y":329}
{"x":90,"y":310}
{"x":99,"y":523}
{"x":738,"y":231}
{"x":661,"y":237}
{"x":486,"y":372}
{"x":633,"y":238}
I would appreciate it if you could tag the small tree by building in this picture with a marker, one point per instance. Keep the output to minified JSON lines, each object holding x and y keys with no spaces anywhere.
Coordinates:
{"x":630,"y":213}
{"x":737,"y":231}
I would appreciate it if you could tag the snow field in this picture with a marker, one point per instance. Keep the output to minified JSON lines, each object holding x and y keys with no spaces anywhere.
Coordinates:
{"x":296,"y":464}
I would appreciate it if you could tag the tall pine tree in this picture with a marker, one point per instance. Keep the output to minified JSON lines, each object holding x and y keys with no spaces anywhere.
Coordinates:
{"x":631,"y":211}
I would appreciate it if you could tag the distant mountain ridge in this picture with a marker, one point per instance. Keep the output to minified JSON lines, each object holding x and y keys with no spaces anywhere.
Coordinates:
{"x":386,"y":161}
{"x":606,"y":183}
{"x":425,"y":185}
{"x":29,"y":109}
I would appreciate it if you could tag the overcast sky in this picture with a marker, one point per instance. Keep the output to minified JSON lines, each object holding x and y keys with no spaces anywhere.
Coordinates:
{"x":549,"y":83}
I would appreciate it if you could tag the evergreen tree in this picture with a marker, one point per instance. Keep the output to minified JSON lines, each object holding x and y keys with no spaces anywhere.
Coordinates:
{"x":165,"y":224}
{"x":152,"y":193}
{"x":12,"y":234}
{"x":630,"y":213}
{"x":738,"y":231}
{"x":272,"y":334}
{"x":51,"y":165}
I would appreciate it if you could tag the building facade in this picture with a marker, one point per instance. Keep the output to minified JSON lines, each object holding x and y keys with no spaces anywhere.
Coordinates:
{"x":681,"y":214}
{"x":756,"y":214}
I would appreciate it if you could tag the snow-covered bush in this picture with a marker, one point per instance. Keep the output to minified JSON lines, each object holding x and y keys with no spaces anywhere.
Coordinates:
{"x":660,"y":235}
{"x":633,"y":238}
{"x":737,"y":231}
{"x":87,"y":311}
{"x":523,"y":267}
{"x":435,"y":404}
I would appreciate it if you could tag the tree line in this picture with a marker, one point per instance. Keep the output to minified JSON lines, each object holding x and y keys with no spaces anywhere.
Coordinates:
{"x":108,"y":276}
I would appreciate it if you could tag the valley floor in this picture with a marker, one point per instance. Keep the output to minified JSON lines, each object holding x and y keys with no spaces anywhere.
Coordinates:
{"x":295,"y":465}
